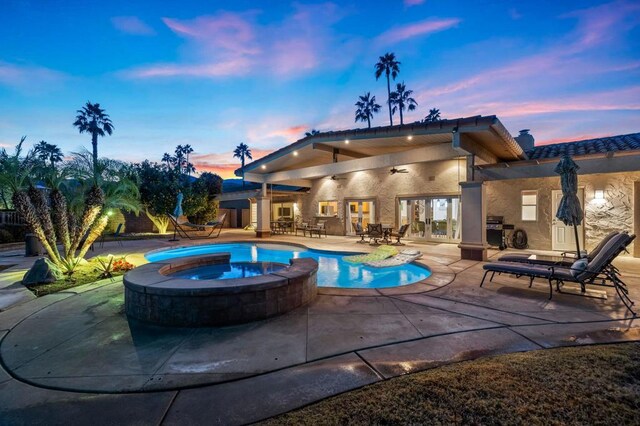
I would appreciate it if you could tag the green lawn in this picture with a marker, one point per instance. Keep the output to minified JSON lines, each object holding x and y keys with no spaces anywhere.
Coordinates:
{"x":582,"y":385}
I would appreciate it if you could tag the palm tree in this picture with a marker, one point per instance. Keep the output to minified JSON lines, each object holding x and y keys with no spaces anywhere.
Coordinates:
{"x":401,"y":99}
{"x":367,"y":106}
{"x":434,"y":115}
{"x":242,"y":151}
{"x":167,"y":158}
{"x":188,"y":150}
{"x":45,"y":151}
{"x":313,"y":132}
{"x":389,"y":66}
{"x":92,"y":119}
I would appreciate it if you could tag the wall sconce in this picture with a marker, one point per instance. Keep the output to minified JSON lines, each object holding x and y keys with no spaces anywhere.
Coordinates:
{"x":598,"y":194}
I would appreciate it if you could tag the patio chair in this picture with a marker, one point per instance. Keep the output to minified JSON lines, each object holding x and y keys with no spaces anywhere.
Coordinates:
{"x":194,"y":231}
{"x":567,"y":261}
{"x":319,"y":228}
{"x":398,"y":235}
{"x":360,"y":232}
{"x":116,"y":236}
{"x":599,"y":271}
{"x":304,"y":227}
{"x":375,"y":232}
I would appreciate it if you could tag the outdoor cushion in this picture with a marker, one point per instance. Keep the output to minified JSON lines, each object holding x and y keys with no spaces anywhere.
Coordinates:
{"x":380,"y":253}
{"x":579,"y":266}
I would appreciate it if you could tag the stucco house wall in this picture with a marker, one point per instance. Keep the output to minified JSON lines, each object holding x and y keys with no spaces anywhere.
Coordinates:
{"x":614,"y":213}
{"x":434,"y":178}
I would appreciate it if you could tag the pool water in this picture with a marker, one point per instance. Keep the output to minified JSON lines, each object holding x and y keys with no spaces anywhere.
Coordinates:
{"x":332,"y":270}
{"x":227,"y":271}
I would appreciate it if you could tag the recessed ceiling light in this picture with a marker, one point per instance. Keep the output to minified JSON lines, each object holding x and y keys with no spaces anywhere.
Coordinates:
{"x":295,"y":153}
{"x":263,"y":167}
{"x":409,"y":137}
{"x":346,"y":141}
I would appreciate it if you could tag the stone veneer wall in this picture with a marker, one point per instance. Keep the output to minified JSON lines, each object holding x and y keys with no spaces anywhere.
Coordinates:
{"x":615,"y":213}
{"x":436,"y":178}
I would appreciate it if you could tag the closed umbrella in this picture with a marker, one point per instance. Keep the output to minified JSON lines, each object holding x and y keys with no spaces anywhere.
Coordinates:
{"x":569,"y":210}
{"x":177,"y":212}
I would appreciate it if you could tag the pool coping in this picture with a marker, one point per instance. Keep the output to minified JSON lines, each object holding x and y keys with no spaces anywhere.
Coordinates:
{"x":441,"y":275}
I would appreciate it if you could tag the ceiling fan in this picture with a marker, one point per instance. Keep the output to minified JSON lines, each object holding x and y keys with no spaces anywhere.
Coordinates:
{"x":393,"y":171}
{"x":334,"y":177}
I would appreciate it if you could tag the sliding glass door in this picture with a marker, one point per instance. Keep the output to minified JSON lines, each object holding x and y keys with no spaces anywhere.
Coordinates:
{"x":362,"y":211}
{"x":431,"y":218}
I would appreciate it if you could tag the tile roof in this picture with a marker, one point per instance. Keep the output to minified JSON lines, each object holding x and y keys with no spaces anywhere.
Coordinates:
{"x":585,"y":147}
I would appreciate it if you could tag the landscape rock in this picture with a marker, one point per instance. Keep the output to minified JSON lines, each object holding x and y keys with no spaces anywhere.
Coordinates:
{"x":43,"y":271}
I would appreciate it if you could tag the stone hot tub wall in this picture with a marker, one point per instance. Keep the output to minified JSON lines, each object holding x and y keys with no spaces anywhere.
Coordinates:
{"x":152,"y":296}
{"x":615,"y":213}
{"x":435,"y":178}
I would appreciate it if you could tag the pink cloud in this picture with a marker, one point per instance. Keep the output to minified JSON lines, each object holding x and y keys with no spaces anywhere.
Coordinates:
{"x":236,"y":66}
{"x":223,"y":164}
{"x":29,"y":78}
{"x":293,"y":132}
{"x":603,"y":23}
{"x":229,"y":44}
{"x":232,"y":32}
{"x":423,"y":28}
{"x":131,"y":25}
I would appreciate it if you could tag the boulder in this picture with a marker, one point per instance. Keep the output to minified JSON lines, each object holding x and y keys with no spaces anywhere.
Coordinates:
{"x":43,"y":271}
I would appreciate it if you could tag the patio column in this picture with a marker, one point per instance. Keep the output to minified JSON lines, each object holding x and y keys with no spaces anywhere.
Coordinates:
{"x":474,"y":227}
{"x":263,"y":204}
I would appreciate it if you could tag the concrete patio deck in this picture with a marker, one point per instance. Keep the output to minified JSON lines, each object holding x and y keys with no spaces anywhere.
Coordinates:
{"x":75,"y":355}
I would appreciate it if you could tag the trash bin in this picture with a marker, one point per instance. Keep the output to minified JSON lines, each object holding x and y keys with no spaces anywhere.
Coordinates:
{"x":32,"y":246}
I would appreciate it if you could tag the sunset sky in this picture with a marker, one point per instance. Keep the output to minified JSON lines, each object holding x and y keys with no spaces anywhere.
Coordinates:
{"x":213,"y":74}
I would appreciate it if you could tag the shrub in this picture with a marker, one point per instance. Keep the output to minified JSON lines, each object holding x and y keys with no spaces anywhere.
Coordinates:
{"x":5,"y":236}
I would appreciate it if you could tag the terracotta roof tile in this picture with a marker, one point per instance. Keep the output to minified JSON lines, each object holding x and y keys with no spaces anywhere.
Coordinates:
{"x":589,"y":146}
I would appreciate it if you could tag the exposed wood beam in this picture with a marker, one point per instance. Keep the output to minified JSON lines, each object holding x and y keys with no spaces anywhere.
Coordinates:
{"x":338,"y":151}
{"x":422,"y":154}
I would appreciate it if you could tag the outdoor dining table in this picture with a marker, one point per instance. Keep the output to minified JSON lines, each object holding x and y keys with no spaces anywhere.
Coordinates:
{"x":281,"y":227}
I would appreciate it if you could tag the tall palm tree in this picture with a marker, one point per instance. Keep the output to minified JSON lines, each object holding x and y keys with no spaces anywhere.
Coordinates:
{"x":434,"y":115}
{"x":93,"y":119}
{"x":48,"y":152}
{"x":188,"y":150}
{"x":367,"y":106}
{"x":242,"y":151}
{"x":167,"y":158}
{"x":311,"y":133}
{"x":390,"y":67}
{"x":401,"y":99}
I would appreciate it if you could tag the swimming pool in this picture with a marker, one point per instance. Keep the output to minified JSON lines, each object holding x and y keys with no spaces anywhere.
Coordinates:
{"x":228,"y":271}
{"x":332,"y":270}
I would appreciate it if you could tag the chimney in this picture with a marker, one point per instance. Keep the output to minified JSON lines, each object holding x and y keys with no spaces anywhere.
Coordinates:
{"x":525,"y":140}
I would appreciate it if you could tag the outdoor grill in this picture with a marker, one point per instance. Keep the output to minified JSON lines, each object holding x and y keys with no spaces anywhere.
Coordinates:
{"x":495,"y":231}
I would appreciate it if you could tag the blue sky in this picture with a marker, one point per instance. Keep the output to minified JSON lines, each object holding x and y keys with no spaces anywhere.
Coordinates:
{"x":213,"y":74}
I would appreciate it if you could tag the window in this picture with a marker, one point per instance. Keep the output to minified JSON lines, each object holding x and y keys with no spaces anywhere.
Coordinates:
{"x":530,"y":206}
{"x":328,"y":208}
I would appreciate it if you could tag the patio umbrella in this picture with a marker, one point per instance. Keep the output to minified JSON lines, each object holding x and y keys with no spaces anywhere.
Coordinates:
{"x":569,"y":210}
{"x":177,"y":212}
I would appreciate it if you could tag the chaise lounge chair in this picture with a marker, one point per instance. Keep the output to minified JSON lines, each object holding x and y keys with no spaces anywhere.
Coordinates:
{"x":194,"y":231}
{"x":599,"y":271}
{"x":567,"y":261}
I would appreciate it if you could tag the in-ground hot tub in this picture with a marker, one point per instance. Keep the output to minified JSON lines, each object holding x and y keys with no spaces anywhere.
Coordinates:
{"x":207,"y":290}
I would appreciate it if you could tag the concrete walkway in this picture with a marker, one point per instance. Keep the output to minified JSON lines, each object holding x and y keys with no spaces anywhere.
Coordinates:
{"x":74,"y":355}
